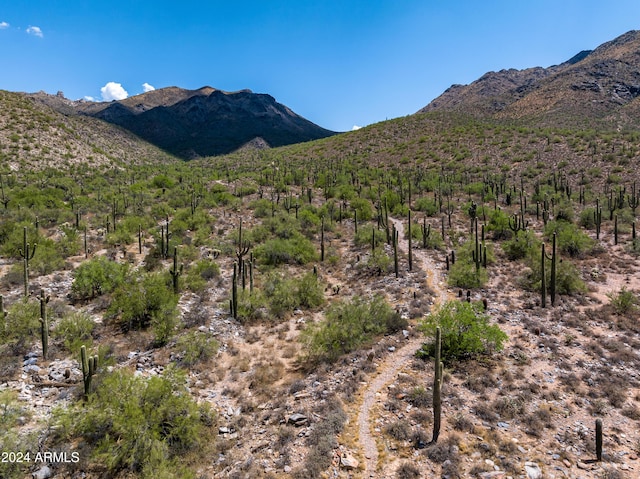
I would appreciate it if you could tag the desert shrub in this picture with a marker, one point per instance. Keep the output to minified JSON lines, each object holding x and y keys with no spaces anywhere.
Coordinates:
{"x":399,"y":430}
{"x":569,"y":239}
{"x":368,"y":233}
{"x":464,"y":274}
{"x":47,"y":258}
{"x":427,"y":205}
{"x":379,"y":261}
{"x":97,"y":276}
{"x":146,"y":426}
{"x":587,"y":218}
{"x":252,"y":306}
{"x":408,"y":470}
{"x":74,"y":330}
{"x":146,"y":300}
{"x":322,"y":441}
{"x":286,"y":294}
{"x":21,"y":323}
{"x":199,"y":273}
{"x":521,"y":246}
{"x":262,"y":207}
{"x":498,"y":225}
{"x":568,"y":279}
{"x":310,"y":291}
{"x":294,"y":250}
{"x":69,"y":243}
{"x":194,"y":347}
{"x":465,"y":331}
{"x":623,"y":301}
{"x":363,"y":207}
{"x":347,"y":326}
{"x":281,"y":295}
{"x":10,"y":440}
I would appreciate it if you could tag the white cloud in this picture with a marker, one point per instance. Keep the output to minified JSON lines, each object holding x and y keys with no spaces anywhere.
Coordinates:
{"x":113,"y":91}
{"x":89,"y":98}
{"x":355,"y":127}
{"x":35,"y":31}
{"x":146,"y":87}
{"x":3,"y":25}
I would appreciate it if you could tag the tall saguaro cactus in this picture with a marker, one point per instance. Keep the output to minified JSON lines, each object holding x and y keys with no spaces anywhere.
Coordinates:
{"x":437,"y":387}
{"x":410,"y":244}
{"x":44,"y":324}
{"x":26,"y":252}
{"x":599,"y":439}
{"x":234,"y":292}
{"x":552,"y":286}
{"x":89,"y":368}
{"x":176,"y":272}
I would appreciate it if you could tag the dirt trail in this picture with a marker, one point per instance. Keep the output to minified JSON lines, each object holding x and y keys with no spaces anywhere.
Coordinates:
{"x":390,"y":368}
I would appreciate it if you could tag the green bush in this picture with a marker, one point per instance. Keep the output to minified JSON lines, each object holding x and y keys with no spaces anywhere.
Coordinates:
{"x":569,"y":239}
{"x":200,"y":273}
{"x":145,"y":426}
{"x":74,"y":330}
{"x":364,"y":236}
{"x":284,"y":295}
{"x":363,"y":207}
{"x":568,"y":279}
{"x":97,"y":276}
{"x":295,"y":250}
{"x":21,"y":325}
{"x":143,"y":301}
{"x":465,"y":330}
{"x":347,"y":326}
{"x":10,"y":439}
{"x":522,"y":245}
{"x":498,"y":225}
{"x":464,"y":274}
{"x":427,"y":205}
{"x":379,"y":262}
{"x":251,"y":306}
{"x":624,"y":301}
{"x":194,"y":347}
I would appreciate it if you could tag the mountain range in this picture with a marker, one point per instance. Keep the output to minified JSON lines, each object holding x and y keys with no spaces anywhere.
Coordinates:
{"x":596,"y":89}
{"x":593,"y":89}
{"x":196,"y":123}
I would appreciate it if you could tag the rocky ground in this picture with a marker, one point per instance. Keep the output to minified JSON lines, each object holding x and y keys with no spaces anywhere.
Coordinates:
{"x":526,"y":412}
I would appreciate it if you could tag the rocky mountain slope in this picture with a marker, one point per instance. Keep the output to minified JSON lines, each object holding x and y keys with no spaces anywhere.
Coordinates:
{"x":203,"y":122}
{"x":35,"y":135}
{"x":596,"y":88}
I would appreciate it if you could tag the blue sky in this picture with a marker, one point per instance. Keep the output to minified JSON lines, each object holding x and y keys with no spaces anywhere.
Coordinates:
{"x":337,"y":63}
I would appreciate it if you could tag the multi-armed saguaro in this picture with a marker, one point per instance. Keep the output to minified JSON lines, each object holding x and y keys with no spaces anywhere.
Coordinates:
{"x":89,"y":368}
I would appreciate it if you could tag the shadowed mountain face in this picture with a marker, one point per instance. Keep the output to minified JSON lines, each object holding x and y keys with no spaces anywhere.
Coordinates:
{"x":204,"y":122}
{"x":592,"y":89}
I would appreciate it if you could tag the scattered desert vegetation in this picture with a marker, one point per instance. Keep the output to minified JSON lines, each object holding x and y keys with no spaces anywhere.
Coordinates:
{"x":224,"y":317}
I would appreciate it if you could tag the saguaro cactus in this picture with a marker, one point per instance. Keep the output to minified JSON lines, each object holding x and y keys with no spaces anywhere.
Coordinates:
{"x":89,"y":368}
{"x":322,"y":240}
{"x":234,"y":292}
{"x":426,"y":231}
{"x":176,"y":272}
{"x":552,"y":286}
{"x":26,"y":252}
{"x":599,"y":439}
{"x":437,"y":387}
{"x":394,"y":233}
{"x":410,"y":244}
{"x":44,"y":324}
